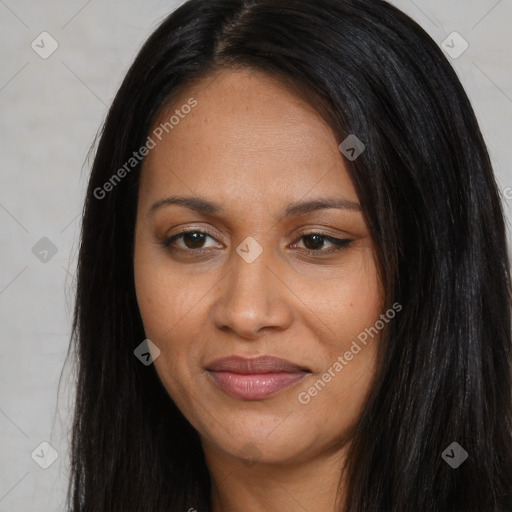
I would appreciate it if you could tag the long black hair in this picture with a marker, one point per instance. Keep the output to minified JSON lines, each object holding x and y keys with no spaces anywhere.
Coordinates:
{"x":429,"y":197}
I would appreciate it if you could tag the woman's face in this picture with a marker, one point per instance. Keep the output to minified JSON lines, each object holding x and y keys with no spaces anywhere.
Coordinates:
{"x":258,"y":274}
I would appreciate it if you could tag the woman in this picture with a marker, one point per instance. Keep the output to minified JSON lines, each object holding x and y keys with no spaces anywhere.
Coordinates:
{"x":293,"y":283}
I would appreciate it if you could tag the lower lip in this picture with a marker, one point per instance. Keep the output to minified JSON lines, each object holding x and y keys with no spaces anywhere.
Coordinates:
{"x":257,"y":386}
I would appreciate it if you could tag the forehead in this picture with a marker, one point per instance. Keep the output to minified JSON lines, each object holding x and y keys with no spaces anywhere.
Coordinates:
{"x":249,"y":129}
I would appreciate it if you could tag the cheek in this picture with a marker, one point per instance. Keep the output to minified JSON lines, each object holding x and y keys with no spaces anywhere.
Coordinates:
{"x":170,"y":313}
{"x":349,"y":309}
{"x":166,"y":300}
{"x":347,"y":302}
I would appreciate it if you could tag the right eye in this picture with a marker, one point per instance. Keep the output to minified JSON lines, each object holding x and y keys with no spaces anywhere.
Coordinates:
{"x":192,"y":240}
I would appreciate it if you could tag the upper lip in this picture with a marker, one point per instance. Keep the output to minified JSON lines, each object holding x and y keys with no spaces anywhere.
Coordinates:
{"x":255,"y":365}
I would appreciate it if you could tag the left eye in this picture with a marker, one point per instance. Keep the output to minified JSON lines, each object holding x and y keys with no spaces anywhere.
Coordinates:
{"x":313,"y":242}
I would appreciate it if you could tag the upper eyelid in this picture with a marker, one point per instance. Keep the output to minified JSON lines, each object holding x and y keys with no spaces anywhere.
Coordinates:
{"x":176,"y":236}
{"x":194,"y":230}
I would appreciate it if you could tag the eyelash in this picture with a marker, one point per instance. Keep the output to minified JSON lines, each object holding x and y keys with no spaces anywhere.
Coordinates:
{"x":338,"y":243}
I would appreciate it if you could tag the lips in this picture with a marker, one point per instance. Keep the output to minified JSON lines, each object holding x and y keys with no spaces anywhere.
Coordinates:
{"x":255,"y":378}
{"x":262,"y":364}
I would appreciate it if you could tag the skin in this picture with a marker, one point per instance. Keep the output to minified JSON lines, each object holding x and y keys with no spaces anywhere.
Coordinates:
{"x":254,"y":147}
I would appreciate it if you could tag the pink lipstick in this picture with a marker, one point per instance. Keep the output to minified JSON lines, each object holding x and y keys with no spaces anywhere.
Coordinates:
{"x":256,"y":378}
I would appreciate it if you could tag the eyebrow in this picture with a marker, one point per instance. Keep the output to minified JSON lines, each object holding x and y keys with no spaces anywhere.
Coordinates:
{"x":202,"y":205}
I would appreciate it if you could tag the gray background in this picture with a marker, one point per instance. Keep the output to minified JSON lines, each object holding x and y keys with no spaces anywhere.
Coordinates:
{"x":50,"y":112}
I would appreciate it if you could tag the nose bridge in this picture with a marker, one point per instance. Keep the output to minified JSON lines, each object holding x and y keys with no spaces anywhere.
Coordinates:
{"x":252,"y":299}
{"x":250,"y":273}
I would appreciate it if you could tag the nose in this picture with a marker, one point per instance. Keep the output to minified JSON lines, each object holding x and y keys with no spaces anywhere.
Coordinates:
{"x":253,"y":299}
